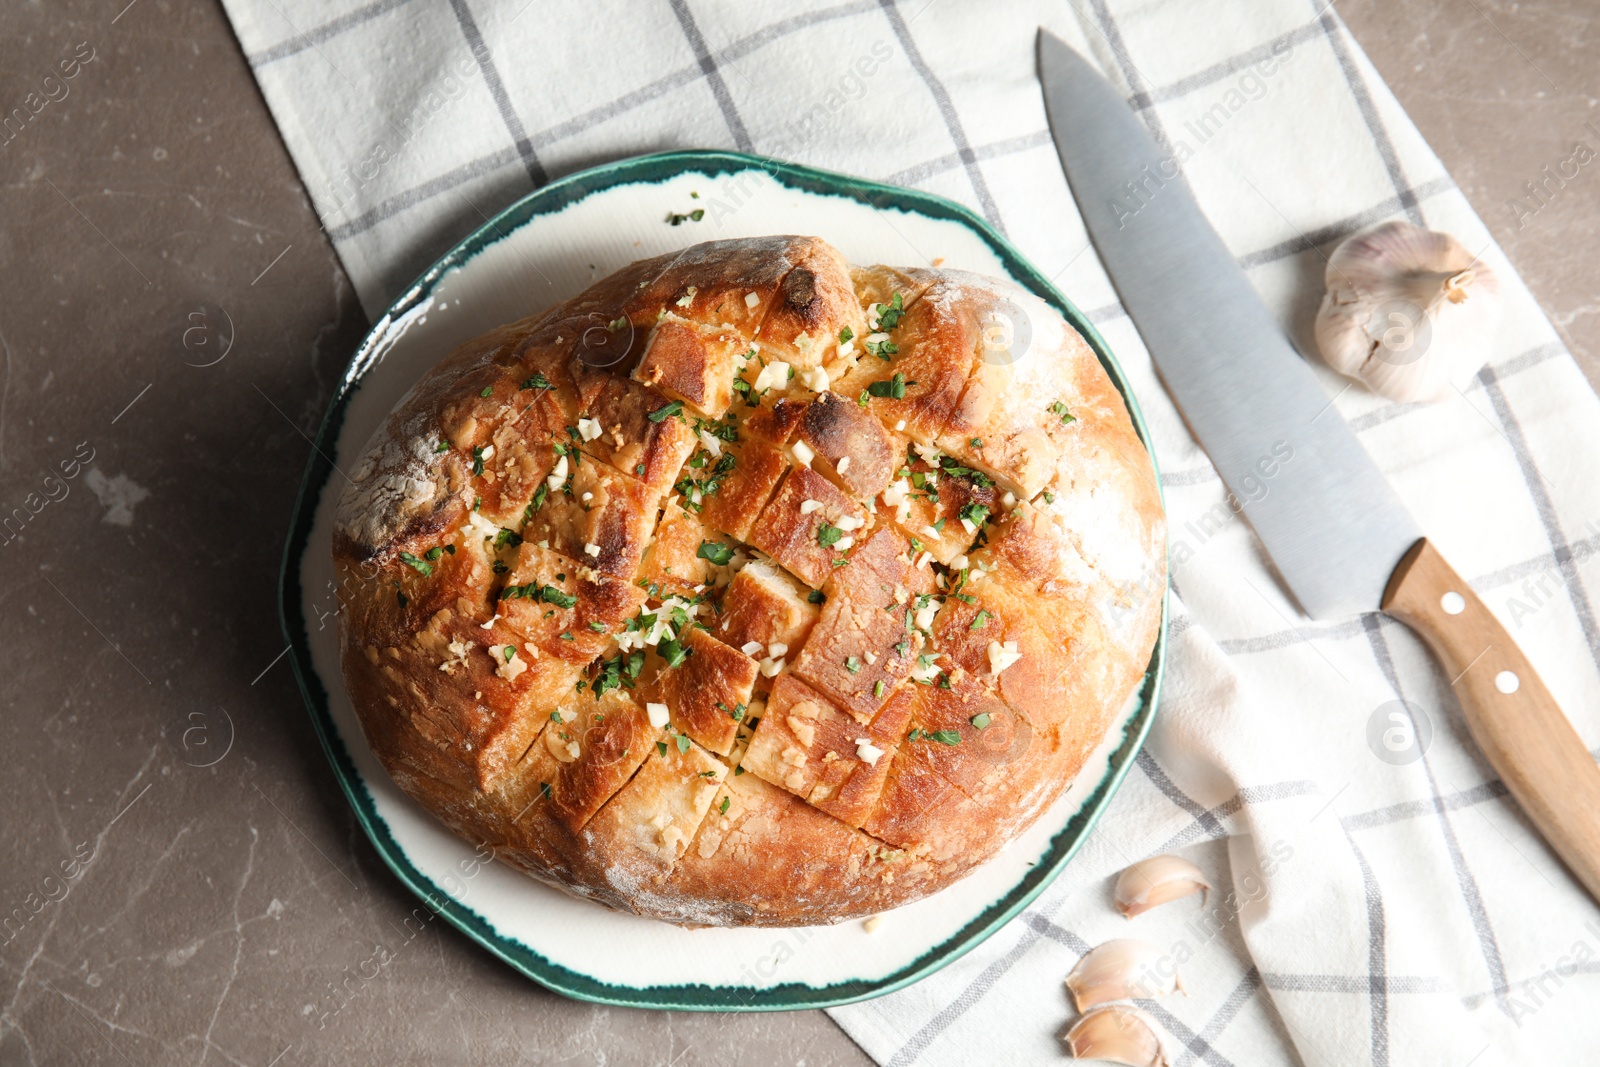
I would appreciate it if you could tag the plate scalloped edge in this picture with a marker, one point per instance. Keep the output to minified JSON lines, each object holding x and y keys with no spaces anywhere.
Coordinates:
{"x":691,"y":997}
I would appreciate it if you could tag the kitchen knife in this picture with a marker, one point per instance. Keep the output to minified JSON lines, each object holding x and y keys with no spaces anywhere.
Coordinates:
{"x":1338,"y":535}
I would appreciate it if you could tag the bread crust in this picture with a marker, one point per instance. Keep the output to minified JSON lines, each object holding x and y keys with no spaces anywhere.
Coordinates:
{"x":695,"y":638}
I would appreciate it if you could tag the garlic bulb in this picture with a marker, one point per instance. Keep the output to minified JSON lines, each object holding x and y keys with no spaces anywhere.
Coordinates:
{"x":1157,"y":880}
{"x":1124,"y":969}
{"x":1406,"y":311}
{"x":1117,"y":1035}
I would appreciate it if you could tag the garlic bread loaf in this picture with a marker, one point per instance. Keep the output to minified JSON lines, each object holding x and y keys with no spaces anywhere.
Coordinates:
{"x":748,"y":588}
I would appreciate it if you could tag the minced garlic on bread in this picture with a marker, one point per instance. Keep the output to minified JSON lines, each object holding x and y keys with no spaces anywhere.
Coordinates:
{"x":745,"y":588}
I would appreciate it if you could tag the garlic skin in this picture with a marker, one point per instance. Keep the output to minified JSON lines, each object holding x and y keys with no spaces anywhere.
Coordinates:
{"x":1406,"y":311}
{"x":1156,"y":881}
{"x":1118,"y":1034}
{"x":1123,"y":969}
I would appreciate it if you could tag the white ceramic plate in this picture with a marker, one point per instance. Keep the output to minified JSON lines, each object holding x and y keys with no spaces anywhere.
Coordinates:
{"x":552,"y":245}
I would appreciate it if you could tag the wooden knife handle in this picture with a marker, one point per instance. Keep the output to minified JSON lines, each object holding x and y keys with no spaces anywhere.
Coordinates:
{"x":1511,"y":714}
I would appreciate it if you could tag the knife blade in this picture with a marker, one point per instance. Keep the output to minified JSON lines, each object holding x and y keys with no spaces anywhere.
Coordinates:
{"x":1336,"y":531}
{"x":1246,"y":394}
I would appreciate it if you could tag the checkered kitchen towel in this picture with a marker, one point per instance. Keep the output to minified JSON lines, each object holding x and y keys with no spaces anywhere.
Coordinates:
{"x":1366,"y":911}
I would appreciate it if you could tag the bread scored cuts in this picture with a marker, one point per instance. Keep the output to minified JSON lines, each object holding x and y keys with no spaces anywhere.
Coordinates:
{"x":747,"y":587}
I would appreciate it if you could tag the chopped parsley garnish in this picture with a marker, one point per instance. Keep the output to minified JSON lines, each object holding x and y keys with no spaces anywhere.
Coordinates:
{"x":725,"y":431}
{"x":893,"y":389}
{"x":534,"y":591}
{"x":828,"y":534}
{"x":883,"y":349}
{"x":487,"y":392}
{"x":716,"y":552}
{"x":434,"y":553}
{"x":979,"y":621}
{"x":694,"y":216}
{"x":442,"y":446}
{"x":618,"y":323}
{"x":597,"y":626}
{"x":852,"y":665}
{"x":610,"y":677}
{"x":666,"y":411}
{"x":661,"y":747}
{"x":416,"y":564}
{"x":723,"y":808}
{"x":878,"y":688}
{"x":955,"y":470}
{"x":976,"y":514}
{"x":507,"y":537}
{"x":510,"y":652}
{"x":1058,"y":408}
{"x":683,"y":742}
{"x":1049,"y":497}
{"x":976,"y":442}
{"x":544,"y":790}
{"x":738,"y":770}
{"x":981,"y":720}
{"x":477,"y":460}
{"x":402,"y":598}
{"x":737,"y":714}
{"x":889,"y":315}
{"x":845,"y":334}
{"x":673,"y":652}
{"x":816,"y":596}
{"x":537,"y":381}
{"x":945,"y":737}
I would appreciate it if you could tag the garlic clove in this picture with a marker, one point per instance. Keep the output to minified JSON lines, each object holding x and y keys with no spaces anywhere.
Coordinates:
{"x":1156,"y":881}
{"x":1407,"y":311}
{"x":1123,"y":969}
{"x":1117,"y":1034}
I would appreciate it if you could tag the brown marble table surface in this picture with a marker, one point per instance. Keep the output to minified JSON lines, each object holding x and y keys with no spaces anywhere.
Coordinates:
{"x":215,"y":912}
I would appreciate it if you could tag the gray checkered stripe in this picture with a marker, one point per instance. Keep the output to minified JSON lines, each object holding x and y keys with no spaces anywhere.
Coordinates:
{"x":1241,"y":1010}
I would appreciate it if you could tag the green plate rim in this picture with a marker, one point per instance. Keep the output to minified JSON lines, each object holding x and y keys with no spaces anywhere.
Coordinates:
{"x":559,"y":194}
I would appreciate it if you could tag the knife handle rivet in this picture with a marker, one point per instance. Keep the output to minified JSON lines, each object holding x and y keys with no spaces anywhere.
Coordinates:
{"x":1507,"y":681}
{"x":1453,"y":603}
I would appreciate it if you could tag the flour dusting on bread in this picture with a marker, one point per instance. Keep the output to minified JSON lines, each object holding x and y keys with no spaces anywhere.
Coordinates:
{"x":400,"y":480}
